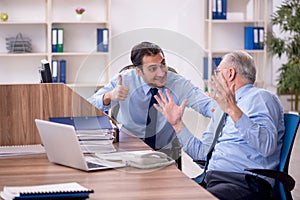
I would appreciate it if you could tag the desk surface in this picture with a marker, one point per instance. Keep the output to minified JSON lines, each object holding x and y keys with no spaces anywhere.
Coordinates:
{"x":125,"y":183}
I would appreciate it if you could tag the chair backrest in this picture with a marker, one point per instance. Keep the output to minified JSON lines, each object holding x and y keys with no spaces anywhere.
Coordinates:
{"x":114,"y":111}
{"x":291,"y":122}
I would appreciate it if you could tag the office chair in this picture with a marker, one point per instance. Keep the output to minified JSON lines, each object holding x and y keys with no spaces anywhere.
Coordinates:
{"x":284,"y":183}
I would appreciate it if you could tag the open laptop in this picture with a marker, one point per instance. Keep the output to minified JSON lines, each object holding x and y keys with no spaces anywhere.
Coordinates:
{"x":62,"y":147}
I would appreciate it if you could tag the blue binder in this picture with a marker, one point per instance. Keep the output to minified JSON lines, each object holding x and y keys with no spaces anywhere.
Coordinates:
{"x":102,"y":39}
{"x":261,"y":38}
{"x":219,"y":9}
{"x":54,"y":39}
{"x":62,"y":71}
{"x":54,"y":71}
{"x":85,"y":123}
{"x":249,"y":34}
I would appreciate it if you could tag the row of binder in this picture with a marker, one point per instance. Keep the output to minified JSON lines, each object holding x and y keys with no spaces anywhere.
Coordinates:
{"x":219,"y":9}
{"x":57,"y":40}
{"x":254,"y":38}
{"x":59,"y":69}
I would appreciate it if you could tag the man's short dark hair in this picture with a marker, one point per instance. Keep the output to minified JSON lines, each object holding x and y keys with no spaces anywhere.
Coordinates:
{"x":142,"y":49}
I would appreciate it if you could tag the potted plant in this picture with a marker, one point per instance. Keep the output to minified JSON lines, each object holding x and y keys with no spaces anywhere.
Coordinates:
{"x":79,"y":11}
{"x":287,"y":18}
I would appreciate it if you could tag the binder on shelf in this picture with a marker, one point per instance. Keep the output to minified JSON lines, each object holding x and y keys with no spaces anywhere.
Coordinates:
{"x":261,"y":37}
{"x":60,"y":40}
{"x":215,"y":63}
{"x":55,"y":71}
{"x":214,"y":9}
{"x":255,"y":38}
{"x":102,"y":39}
{"x":249,"y":34}
{"x":71,"y":190}
{"x":46,"y":76}
{"x":54,"y":39}
{"x":62,"y":71}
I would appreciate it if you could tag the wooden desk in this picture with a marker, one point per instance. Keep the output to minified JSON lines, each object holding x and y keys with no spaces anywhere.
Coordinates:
{"x":125,"y":183}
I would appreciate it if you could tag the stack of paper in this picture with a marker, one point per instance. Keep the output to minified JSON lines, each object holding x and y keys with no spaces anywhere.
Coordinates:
{"x":96,"y":141}
{"x":95,"y":133}
{"x":21,"y":150}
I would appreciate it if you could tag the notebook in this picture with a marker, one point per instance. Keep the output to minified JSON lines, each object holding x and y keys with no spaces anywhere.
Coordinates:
{"x":62,"y":147}
{"x":71,"y":190}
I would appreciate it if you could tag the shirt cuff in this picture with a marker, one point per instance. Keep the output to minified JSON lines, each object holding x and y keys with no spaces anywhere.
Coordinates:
{"x":184,"y":136}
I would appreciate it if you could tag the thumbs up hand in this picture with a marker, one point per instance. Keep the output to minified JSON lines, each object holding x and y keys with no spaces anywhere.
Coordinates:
{"x":120,"y":92}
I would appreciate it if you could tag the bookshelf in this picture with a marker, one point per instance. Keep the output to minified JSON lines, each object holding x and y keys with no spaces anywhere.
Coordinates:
{"x":86,"y":68}
{"x":225,"y":35}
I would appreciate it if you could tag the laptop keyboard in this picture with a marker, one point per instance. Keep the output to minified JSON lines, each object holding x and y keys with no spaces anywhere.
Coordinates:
{"x":93,"y":165}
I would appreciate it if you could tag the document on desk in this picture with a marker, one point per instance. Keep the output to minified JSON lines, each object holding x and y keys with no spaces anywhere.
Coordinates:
{"x":17,"y":150}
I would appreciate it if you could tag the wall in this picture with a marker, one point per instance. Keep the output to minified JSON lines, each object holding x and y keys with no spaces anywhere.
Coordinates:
{"x":177,"y":27}
{"x":173,"y":24}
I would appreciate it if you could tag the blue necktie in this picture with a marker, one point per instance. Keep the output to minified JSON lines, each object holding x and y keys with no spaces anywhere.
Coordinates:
{"x":150,"y":133}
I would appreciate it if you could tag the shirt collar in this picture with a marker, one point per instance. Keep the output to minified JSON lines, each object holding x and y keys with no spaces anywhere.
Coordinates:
{"x":242,"y":90}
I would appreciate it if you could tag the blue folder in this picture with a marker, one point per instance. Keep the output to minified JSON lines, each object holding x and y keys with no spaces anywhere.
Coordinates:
{"x":102,"y":39}
{"x":249,"y":37}
{"x":85,"y":123}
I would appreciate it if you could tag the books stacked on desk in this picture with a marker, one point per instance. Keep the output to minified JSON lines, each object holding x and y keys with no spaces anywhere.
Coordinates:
{"x":95,"y":133}
{"x":53,"y":191}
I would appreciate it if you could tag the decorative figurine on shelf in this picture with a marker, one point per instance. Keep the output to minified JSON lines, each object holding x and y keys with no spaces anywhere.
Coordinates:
{"x":4,"y":17}
{"x":79,"y":11}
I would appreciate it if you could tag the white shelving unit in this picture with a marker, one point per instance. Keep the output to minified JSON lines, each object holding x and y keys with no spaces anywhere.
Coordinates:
{"x":223,"y":36}
{"x":86,"y":68}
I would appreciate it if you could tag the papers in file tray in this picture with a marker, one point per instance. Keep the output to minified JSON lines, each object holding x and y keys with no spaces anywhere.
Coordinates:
{"x":18,"y":44}
{"x":71,"y":190}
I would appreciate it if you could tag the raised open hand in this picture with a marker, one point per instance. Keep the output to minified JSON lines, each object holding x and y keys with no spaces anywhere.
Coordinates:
{"x":172,"y":112}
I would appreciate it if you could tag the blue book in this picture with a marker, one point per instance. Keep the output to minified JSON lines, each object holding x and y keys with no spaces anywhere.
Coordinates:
{"x":102,"y":39}
{"x":249,"y":37}
{"x":62,"y":71}
{"x":85,"y":123}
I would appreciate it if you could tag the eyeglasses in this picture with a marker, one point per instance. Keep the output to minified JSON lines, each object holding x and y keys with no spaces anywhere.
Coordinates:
{"x":216,"y":71}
